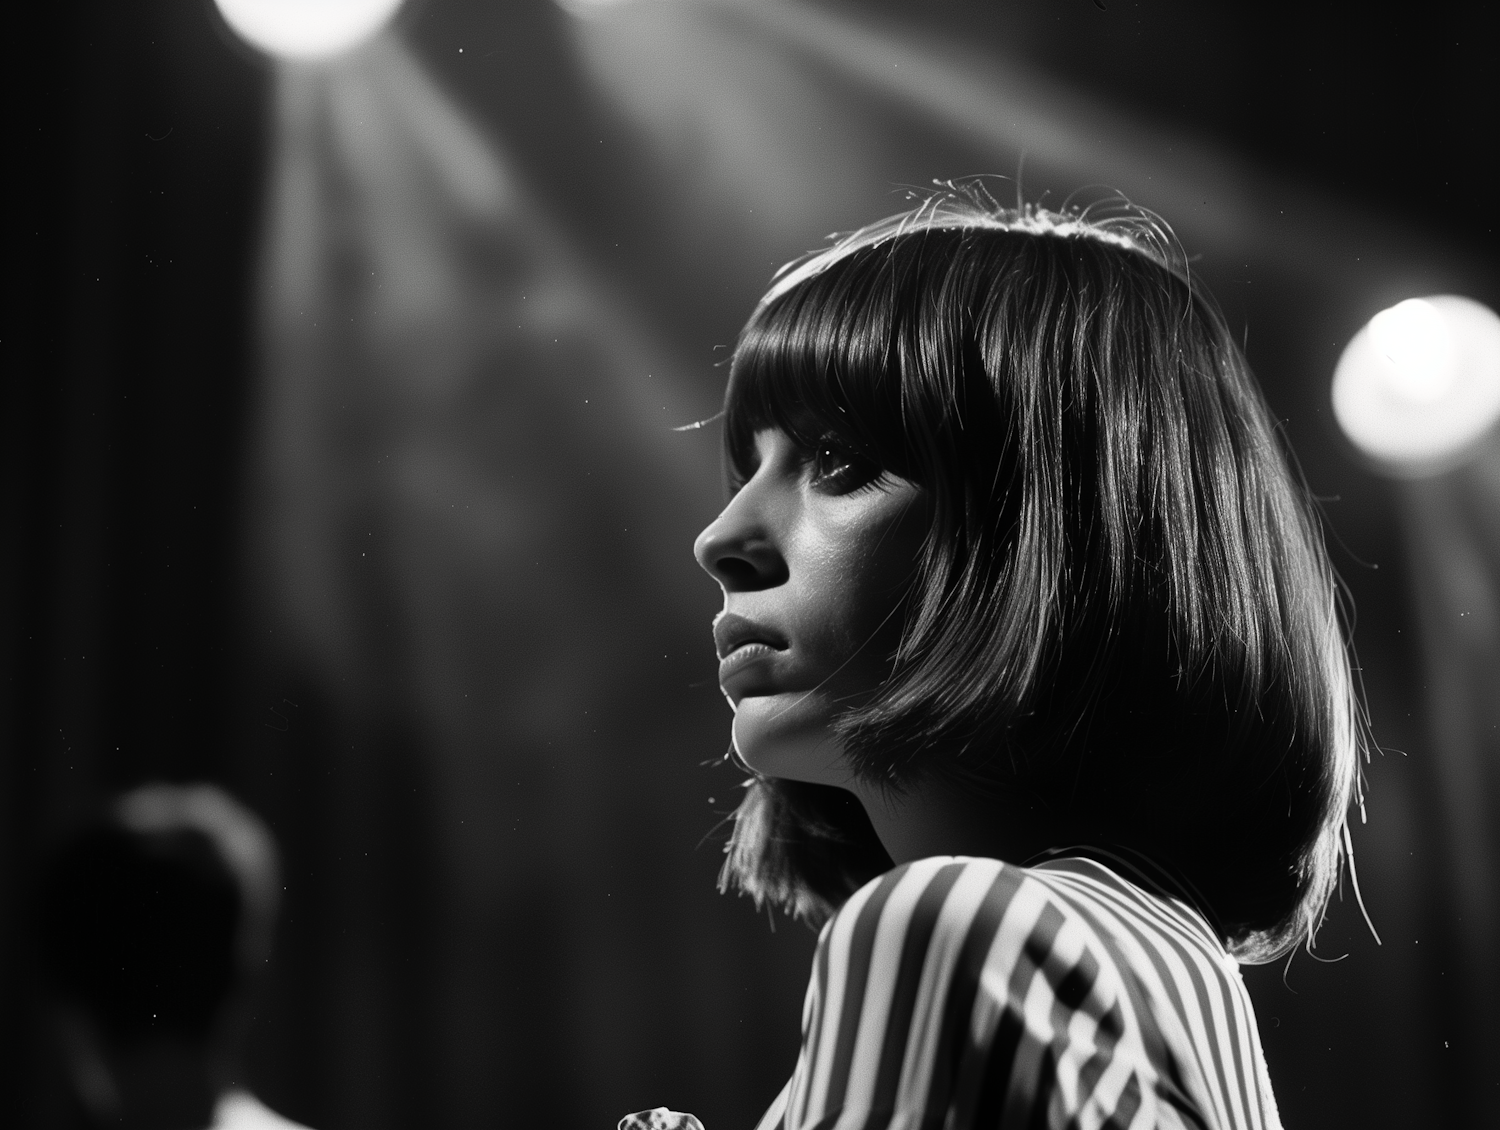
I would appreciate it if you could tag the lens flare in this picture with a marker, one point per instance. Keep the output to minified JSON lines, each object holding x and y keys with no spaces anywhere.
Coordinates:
{"x":1414,"y":337}
{"x":1419,"y":386}
{"x":306,"y":29}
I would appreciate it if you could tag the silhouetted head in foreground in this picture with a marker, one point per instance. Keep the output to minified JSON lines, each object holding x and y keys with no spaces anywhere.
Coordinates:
{"x":154,"y":923}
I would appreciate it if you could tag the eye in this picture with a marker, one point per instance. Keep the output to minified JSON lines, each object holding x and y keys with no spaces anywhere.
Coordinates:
{"x":835,"y":469}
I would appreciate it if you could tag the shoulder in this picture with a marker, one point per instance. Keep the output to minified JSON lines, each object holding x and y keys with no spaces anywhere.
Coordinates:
{"x":1185,"y":987}
{"x":238,"y":1109}
{"x":944,"y":896}
{"x":1001,"y":914}
{"x":970,"y":989}
{"x":968,"y":929}
{"x":1057,"y":913}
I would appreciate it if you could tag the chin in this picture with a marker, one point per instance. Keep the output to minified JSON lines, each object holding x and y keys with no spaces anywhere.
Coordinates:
{"x":789,"y":736}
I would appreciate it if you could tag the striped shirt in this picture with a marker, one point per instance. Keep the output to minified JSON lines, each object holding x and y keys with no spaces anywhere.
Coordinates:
{"x":956,"y":993}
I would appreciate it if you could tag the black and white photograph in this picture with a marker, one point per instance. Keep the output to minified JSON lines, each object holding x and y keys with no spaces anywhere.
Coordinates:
{"x":750,"y":565}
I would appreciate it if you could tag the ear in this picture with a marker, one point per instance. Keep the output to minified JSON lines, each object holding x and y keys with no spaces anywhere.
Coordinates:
{"x":88,"y":1066}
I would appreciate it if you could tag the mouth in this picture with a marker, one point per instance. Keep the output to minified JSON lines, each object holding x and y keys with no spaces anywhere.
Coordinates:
{"x":743,"y":643}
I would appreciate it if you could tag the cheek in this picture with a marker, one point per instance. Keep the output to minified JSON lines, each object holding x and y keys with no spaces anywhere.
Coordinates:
{"x":829,"y":606}
{"x":859,"y":599}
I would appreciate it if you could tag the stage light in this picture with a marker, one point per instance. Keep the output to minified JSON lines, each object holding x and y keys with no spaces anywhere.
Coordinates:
{"x":306,"y":29}
{"x":1419,"y":385}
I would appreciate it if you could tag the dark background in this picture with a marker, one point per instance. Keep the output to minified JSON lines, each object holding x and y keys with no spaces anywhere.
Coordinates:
{"x":337,"y":468}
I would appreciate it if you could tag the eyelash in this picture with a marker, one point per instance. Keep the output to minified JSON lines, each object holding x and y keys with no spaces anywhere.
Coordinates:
{"x":831,"y":468}
{"x":834,"y":469}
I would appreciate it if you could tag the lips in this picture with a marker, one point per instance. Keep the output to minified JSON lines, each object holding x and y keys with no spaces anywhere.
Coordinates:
{"x":742,"y":643}
{"x":732,"y":632}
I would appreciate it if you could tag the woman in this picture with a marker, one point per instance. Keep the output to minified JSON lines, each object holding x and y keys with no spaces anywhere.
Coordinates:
{"x":1034,"y":655}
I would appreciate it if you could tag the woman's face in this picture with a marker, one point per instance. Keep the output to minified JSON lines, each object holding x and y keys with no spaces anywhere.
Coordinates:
{"x":814,"y":554}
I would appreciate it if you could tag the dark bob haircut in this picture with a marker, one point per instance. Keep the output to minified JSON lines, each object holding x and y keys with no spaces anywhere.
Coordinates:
{"x":1123,"y":610}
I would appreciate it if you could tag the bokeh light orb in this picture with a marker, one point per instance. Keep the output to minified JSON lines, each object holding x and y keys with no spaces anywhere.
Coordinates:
{"x":306,"y":29}
{"x":1419,"y":386}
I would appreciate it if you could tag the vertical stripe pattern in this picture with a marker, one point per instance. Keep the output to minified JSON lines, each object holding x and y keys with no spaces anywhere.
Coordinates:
{"x":1079,"y":994}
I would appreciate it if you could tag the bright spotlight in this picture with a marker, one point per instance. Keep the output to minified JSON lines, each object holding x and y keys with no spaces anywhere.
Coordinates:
{"x":1420,"y":384}
{"x":306,"y":29}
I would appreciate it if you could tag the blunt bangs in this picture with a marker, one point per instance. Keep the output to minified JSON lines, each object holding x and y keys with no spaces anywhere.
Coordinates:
{"x":1123,"y":608}
{"x":819,"y":363}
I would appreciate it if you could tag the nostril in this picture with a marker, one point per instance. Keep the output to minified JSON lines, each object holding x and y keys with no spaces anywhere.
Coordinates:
{"x":736,"y":572}
{"x":749,"y":572}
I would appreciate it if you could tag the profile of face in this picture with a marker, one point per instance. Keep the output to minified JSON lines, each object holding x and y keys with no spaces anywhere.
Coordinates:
{"x":815,"y":553}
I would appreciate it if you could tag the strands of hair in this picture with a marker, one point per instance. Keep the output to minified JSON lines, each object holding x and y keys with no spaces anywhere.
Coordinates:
{"x":969,"y":204}
{"x":1124,"y":604}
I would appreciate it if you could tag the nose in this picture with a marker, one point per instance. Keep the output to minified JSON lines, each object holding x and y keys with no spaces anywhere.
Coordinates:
{"x":739,"y":548}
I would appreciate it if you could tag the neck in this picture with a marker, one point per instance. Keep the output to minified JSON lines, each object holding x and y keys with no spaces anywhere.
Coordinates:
{"x":939,"y":816}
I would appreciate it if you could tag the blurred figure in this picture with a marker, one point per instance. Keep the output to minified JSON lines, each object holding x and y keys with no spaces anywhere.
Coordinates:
{"x":155,"y":923}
